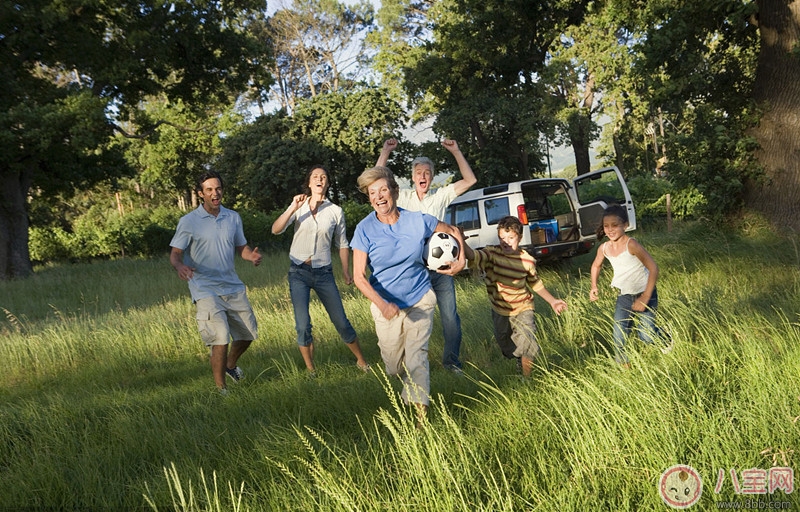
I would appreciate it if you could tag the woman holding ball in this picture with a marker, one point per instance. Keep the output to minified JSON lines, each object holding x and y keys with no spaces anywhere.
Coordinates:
{"x":391,"y":243}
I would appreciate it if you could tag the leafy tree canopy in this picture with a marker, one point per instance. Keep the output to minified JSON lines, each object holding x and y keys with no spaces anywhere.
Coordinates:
{"x":75,"y":69}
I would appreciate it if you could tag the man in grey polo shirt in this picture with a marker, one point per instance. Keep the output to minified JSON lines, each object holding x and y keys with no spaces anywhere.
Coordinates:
{"x":203,"y":250}
{"x":435,"y":202}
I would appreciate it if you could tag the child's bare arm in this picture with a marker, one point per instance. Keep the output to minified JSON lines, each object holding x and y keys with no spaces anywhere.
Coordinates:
{"x":558,"y":305}
{"x":597,"y":265}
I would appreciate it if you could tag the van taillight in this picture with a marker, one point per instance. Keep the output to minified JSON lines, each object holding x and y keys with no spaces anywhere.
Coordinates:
{"x":522,"y":214}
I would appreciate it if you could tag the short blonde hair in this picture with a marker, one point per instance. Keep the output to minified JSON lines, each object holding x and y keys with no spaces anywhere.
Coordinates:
{"x":374,"y":174}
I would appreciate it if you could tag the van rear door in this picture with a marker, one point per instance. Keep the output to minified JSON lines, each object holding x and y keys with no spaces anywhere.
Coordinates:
{"x":597,"y":190}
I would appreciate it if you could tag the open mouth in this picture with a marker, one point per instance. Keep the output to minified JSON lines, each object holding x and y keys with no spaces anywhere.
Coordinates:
{"x":379,"y":203}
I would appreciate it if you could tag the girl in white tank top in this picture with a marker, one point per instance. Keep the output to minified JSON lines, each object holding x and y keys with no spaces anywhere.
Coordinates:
{"x":635,"y":276}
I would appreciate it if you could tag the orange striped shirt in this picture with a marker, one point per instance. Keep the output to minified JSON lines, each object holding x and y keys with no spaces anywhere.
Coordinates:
{"x":510,"y":279}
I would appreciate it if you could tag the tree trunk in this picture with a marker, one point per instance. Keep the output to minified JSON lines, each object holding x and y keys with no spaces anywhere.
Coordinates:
{"x":15,"y":259}
{"x":777,"y":92}
{"x":583,"y":162}
{"x":580,"y":126}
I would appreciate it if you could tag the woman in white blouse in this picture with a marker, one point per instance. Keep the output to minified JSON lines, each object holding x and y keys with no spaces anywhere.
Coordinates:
{"x":318,"y":223}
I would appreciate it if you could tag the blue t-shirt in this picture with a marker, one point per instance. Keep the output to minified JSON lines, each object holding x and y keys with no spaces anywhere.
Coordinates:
{"x":209,"y":246}
{"x":395,"y":255}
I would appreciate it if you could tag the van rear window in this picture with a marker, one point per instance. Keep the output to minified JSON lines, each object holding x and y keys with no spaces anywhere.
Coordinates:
{"x":604,"y":187}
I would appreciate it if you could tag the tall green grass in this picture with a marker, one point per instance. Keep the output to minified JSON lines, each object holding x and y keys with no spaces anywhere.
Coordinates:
{"x":107,"y":401}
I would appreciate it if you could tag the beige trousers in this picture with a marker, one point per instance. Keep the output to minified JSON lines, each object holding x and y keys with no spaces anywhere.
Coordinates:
{"x":403,"y":341}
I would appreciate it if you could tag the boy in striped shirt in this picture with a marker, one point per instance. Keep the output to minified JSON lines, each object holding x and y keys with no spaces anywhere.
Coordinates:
{"x":511,"y":278}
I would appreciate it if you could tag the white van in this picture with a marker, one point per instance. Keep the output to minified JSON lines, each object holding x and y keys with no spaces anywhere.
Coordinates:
{"x":560,"y":216}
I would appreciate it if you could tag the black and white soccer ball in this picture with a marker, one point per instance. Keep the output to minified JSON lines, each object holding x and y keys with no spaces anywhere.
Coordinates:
{"x":441,"y":250}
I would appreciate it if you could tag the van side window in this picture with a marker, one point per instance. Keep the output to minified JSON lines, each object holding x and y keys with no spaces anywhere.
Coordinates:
{"x":465,"y":216}
{"x":495,"y":209}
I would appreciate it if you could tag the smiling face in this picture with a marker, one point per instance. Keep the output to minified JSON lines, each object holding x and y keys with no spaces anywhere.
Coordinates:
{"x":211,"y":194}
{"x":382,"y":198}
{"x":318,"y":182}
{"x":614,"y":227}
{"x":422,"y":177}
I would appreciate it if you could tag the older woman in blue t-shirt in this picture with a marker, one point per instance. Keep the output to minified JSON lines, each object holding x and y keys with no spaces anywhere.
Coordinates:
{"x":391,"y":242}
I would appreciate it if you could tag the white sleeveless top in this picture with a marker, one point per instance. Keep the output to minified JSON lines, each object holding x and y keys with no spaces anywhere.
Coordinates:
{"x":630,"y":275}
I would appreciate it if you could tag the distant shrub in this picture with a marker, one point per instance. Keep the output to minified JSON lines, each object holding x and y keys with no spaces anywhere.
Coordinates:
{"x":257,"y":227}
{"x":650,"y":197}
{"x":104,"y":233}
{"x":49,"y":244}
{"x":96,"y":234}
{"x":353,"y":214}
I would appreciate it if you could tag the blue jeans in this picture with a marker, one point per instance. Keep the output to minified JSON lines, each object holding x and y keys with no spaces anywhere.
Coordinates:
{"x":303,"y":279}
{"x":624,"y":316}
{"x":445,"y":289}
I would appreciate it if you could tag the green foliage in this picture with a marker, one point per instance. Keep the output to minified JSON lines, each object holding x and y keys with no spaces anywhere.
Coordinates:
{"x":475,"y":65}
{"x":257,"y":227}
{"x":49,"y":244}
{"x":716,"y":158}
{"x":352,"y":127}
{"x":103,"y":233}
{"x":180,"y":147}
{"x":266,"y":161}
{"x":76,"y":71}
{"x":354,"y":213}
{"x":147,"y":232}
{"x":648,"y":195}
{"x":702,"y":99}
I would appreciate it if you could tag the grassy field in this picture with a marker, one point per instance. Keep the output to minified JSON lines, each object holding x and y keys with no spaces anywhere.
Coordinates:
{"x":107,"y":400}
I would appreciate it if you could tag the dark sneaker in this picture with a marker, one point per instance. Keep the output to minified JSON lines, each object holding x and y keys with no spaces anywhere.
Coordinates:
{"x":235,"y":373}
